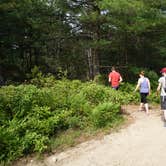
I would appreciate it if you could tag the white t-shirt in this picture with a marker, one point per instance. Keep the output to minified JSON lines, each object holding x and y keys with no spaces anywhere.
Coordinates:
{"x":162,"y":80}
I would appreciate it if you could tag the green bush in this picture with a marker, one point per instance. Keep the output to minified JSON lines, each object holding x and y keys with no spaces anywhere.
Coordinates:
{"x":153,"y":98}
{"x":104,"y":114}
{"x":94,"y":93}
{"x":101,"y":79}
{"x":31,"y":114}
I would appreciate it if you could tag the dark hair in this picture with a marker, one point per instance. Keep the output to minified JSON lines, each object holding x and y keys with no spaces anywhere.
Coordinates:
{"x":142,"y":73}
{"x":113,"y":68}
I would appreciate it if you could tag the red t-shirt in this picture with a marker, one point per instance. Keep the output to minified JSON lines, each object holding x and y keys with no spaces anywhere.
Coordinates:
{"x":115,"y":77}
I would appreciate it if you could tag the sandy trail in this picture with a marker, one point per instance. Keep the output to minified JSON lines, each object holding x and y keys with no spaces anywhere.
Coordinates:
{"x":143,"y":143}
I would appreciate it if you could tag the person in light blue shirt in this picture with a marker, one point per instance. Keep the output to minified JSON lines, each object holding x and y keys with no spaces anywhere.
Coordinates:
{"x":144,"y":86}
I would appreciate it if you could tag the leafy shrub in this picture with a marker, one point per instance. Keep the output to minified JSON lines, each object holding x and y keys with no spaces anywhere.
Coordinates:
{"x":9,"y":145}
{"x":74,"y":121}
{"x":33,"y":141}
{"x":153,"y":98}
{"x":31,"y":114}
{"x":94,"y":93}
{"x":127,"y":87}
{"x":153,"y":77}
{"x":105,"y":113}
{"x":101,"y":79}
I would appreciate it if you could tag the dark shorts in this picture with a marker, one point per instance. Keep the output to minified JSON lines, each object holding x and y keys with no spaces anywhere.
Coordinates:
{"x":163,"y":102}
{"x":115,"y":87}
{"x":143,"y":97}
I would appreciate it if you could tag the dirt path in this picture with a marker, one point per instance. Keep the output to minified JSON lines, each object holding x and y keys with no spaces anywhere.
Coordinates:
{"x":143,"y":143}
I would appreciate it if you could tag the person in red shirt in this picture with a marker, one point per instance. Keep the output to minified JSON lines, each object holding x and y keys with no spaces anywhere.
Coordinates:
{"x":114,"y":78}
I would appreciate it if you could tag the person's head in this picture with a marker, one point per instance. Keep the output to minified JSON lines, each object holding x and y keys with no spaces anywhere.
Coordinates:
{"x":113,"y":68}
{"x":142,"y":74}
{"x":163,"y":71}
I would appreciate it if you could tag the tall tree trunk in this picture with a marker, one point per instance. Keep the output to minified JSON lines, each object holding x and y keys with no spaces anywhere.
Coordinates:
{"x":95,"y":62}
{"x":90,"y":63}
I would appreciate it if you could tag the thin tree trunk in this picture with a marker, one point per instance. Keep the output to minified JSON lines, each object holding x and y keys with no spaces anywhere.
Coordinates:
{"x":90,"y":63}
{"x":95,"y":63}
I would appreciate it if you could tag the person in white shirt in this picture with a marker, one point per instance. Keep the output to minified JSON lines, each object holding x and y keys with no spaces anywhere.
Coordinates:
{"x":162,"y":87}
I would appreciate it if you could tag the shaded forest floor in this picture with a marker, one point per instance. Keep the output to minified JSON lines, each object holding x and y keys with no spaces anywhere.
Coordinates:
{"x":140,"y":142}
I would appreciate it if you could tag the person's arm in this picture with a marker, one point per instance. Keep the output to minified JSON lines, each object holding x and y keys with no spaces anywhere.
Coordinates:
{"x":109,"y":78}
{"x":158,"y":88}
{"x":138,"y":85}
{"x":120,"y":79}
{"x":149,"y":87}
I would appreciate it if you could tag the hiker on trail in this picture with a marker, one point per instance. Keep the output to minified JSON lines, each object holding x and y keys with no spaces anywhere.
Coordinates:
{"x":162,"y":87}
{"x":114,"y":78}
{"x":144,"y":86}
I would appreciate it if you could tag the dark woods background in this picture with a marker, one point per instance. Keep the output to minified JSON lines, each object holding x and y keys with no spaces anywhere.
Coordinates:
{"x":81,"y":38}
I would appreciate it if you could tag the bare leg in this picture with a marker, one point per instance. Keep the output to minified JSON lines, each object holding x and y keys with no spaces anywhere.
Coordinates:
{"x":147,"y":109}
{"x":141,"y":107}
{"x":164,"y":114}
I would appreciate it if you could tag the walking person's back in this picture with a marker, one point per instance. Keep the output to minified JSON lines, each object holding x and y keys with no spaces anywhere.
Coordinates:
{"x":114,"y":78}
{"x":144,"y":87}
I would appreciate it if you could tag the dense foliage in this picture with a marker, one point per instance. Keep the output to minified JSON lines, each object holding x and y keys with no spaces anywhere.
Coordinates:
{"x":32,"y":114}
{"x":80,"y":37}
